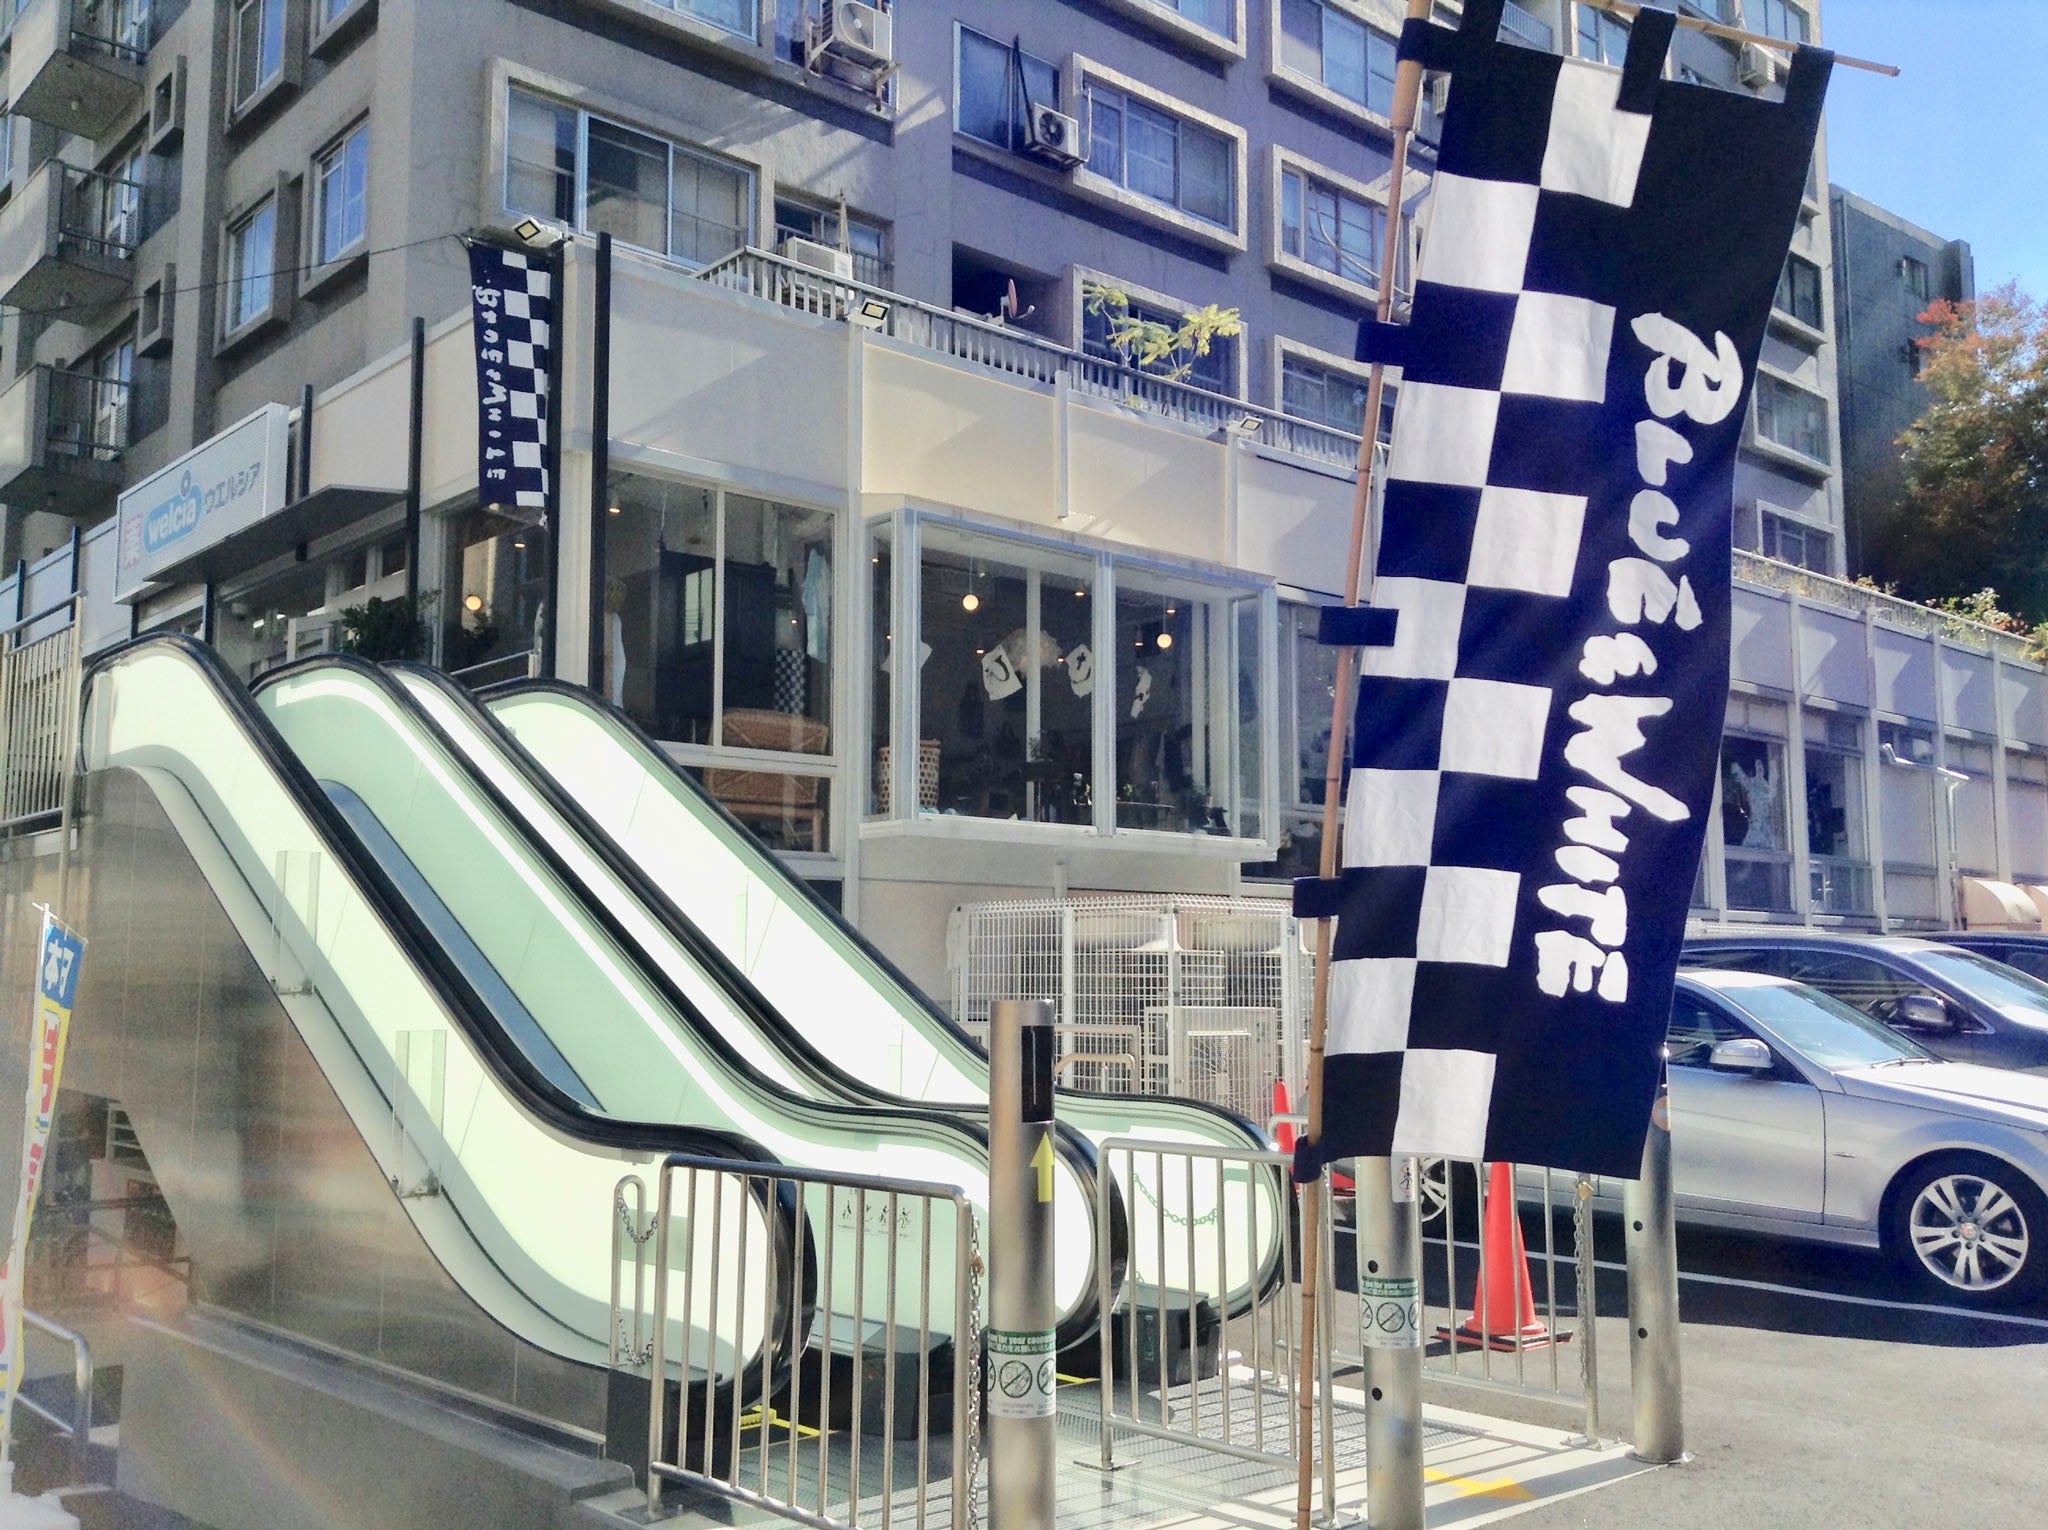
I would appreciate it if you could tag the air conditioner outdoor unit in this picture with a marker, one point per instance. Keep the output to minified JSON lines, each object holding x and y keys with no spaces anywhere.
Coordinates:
{"x":860,"y":32}
{"x":1054,"y":136}
{"x":819,"y":257}
{"x":1757,"y":66}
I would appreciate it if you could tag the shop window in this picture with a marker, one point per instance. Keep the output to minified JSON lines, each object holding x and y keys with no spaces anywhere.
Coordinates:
{"x":1838,"y":851}
{"x":1308,"y":684}
{"x":718,"y":635}
{"x":1023,"y":678}
{"x":2026,"y":803}
{"x":1756,"y":845}
{"x":1972,"y":807}
{"x":493,"y":591}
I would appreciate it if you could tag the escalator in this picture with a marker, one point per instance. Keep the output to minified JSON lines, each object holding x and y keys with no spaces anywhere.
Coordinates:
{"x":558,"y":916}
{"x":719,"y":900}
{"x":500,"y":1140}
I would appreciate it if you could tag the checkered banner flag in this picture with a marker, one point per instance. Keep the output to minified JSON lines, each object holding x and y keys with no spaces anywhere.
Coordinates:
{"x":1534,"y":752}
{"x":512,"y":302}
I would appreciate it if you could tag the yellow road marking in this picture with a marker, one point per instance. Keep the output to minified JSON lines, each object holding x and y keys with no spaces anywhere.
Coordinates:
{"x":751,"y":1419}
{"x":1505,"y":1488}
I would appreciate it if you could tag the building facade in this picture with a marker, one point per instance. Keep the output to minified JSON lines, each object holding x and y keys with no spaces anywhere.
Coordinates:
{"x":893,"y":536}
{"x":1886,"y":274}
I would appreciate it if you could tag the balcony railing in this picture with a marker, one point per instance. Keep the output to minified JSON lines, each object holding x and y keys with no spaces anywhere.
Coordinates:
{"x":88,"y":416}
{"x":77,"y":64}
{"x":117,"y":28}
{"x":1821,"y":589}
{"x":1525,"y":28}
{"x":1020,"y":354}
{"x":99,"y":214}
{"x":870,"y":270}
{"x":62,"y":435}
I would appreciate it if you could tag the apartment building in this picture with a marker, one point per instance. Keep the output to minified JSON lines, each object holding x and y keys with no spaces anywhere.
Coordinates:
{"x":1887,"y":272}
{"x":868,"y":416}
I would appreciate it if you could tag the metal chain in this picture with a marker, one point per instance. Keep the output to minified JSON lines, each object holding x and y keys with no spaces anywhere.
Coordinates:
{"x":1173,"y":1216}
{"x":974,"y":1368}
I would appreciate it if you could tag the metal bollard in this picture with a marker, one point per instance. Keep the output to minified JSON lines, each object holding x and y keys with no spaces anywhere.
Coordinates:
{"x":1653,"y":1367}
{"x":1387,"y":1281}
{"x":1023,"y":1423}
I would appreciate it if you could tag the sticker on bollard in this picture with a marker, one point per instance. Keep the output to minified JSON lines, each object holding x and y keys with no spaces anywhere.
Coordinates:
{"x":1390,"y":1312}
{"x":1020,"y":1374}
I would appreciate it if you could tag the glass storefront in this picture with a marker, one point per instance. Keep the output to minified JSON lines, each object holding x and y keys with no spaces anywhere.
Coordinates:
{"x":492,"y":594}
{"x":1838,"y":864}
{"x":1756,"y":846}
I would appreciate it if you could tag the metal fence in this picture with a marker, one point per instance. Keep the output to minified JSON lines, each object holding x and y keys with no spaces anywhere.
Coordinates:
{"x":1201,"y":997}
{"x":1181,"y":1364}
{"x":38,"y":713}
{"x":77,"y":1428}
{"x":1021,"y":354}
{"x":871,"y":1414}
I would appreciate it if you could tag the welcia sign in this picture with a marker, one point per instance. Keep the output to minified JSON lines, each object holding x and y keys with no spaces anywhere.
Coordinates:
{"x":218,"y":488}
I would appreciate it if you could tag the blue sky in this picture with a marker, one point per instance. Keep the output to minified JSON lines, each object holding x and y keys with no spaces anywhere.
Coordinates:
{"x":1959,"y":142}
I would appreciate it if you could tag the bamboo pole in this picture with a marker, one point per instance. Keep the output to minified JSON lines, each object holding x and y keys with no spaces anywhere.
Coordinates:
{"x":1407,"y":94}
{"x":1628,"y":10}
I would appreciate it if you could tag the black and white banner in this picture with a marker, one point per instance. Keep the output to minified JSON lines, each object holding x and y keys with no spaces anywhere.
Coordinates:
{"x":1534,"y":752}
{"x":512,"y":302}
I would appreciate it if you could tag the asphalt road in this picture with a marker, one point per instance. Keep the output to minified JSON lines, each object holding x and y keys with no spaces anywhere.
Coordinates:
{"x":1821,"y":1391}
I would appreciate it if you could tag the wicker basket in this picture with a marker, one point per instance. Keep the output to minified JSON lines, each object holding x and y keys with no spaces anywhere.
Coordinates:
{"x":927,"y":777}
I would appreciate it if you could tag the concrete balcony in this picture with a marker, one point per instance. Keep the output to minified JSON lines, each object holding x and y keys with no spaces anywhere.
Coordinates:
{"x":77,"y":64}
{"x":66,"y":239}
{"x":61,"y":438}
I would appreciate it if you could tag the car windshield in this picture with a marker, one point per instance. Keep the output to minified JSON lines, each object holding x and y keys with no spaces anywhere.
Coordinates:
{"x":1983,"y":978}
{"x":1826,"y":1030}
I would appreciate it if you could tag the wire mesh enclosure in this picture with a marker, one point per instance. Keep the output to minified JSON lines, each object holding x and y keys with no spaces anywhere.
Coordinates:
{"x":1201,"y":997}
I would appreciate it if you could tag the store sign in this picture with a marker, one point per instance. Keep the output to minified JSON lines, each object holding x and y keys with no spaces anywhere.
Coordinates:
{"x":214,"y":490}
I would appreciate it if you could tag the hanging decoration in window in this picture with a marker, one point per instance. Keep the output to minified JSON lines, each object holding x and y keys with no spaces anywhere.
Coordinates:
{"x":512,"y":304}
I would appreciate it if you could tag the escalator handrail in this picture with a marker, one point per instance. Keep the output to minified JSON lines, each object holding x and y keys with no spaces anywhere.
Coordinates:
{"x":1079,"y":1321}
{"x":531,"y":1088}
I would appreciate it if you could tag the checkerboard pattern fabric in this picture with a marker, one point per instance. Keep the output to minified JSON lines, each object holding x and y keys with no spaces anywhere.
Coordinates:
{"x":1533,"y":753}
{"x":512,"y":303}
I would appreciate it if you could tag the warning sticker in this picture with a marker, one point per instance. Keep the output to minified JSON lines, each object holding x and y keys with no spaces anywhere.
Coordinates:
{"x":1021,"y":1383}
{"x":1390,"y":1313}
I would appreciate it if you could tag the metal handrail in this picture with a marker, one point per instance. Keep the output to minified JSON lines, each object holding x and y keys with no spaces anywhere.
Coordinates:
{"x":82,"y":212}
{"x":114,"y":46}
{"x":79,"y":1429}
{"x":999,"y":348}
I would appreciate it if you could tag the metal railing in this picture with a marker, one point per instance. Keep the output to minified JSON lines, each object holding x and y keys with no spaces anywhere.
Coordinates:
{"x":1018,"y":353}
{"x":1230,"y":1388}
{"x":873,"y":270}
{"x":97,"y":213}
{"x":117,"y":28}
{"x":88,"y":416}
{"x":1527,"y":28}
{"x":78,"y":1428}
{"x":895,"y":1268}
{"x":38,"y":713}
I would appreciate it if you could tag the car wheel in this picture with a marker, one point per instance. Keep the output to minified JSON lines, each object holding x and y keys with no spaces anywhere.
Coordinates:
{"x":1433,"y":1187}
{"x":1970,"y":1229}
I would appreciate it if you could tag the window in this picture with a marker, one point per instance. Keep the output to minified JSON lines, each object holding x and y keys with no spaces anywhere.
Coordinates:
{"x":1777,"y":18}
{"x":1335,"y":231}
{"x":1838,"y":868}
{"x":2026,"y":807}
{"x":494,"y":584}
{"x":1789,"y":416}
{"x":1032,"y":658}
{"x":1602,"y":38}
{"x":1338,"y":51}
{"x":1756,"y":847}
{"x":131,"y":24}
{"x":735,"y":16}
{"x":602,"y":177}
{"x":1159,"y":156}
{"x":1914,"y":273}
{"x":718,"y":635}
{"x":112,"y":370}
{"x":6,"y":147}
{"x":341,"y":184}
{"x":258,"y":45}
{"x":1799,"y":291}
{"x":995,"y":79}
{"x":1218,"y":16}
{"x":1795,"y":542}
{"x":864,"y":238}
{"x":332,"y":11}
{"x":1973,"y":819}
{"x":1323,"y":395}
{"x":1308,"y":684}
{"x":251,"y":257}
{"x":118,"y":192}
{"x":1216,"y":371}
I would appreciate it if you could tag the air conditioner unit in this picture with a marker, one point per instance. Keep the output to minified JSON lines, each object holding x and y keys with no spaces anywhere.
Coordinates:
{"x":1054,"y":136}
{"x":860,"y":32}
{"x":1758,"y":66}
{"x":819,"y":257}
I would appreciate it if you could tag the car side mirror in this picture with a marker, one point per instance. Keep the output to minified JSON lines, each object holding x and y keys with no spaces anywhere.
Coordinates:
{"x":1742,"y":1055}
{"x":1921,"y":1012}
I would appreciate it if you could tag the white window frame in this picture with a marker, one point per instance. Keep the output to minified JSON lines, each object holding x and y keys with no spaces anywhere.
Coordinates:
{"x":1313,"y":89}
{"x":240,"y":99}
{"x":1226,"y":585}
{"x":1778,"y":450}
{"x":499,"y":168}
{"x":1077,"y":75}
{"x":234,"y":321}
{"x":1282,"y":162}
{"x":332,"y":156}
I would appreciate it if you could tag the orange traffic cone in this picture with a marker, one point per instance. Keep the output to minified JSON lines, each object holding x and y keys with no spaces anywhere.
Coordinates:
{"x":1504,"y":1295}
{"x":1283,"y":1130}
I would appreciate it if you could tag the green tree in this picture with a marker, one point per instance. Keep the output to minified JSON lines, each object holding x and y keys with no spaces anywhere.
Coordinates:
{"x":1972,"y":511}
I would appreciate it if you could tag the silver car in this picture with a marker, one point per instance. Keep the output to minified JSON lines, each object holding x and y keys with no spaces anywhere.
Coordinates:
{"x":1796,"y":1115}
